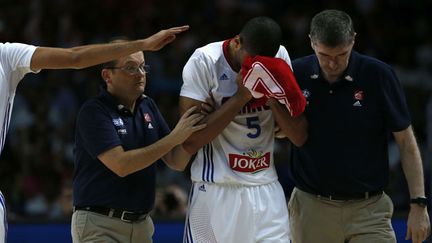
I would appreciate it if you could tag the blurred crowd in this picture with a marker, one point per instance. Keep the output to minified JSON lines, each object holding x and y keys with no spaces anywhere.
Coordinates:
{"x":36,"y":166}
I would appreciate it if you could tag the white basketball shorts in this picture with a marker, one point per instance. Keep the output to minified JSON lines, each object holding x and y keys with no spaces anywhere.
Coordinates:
{"x":234,"y":214}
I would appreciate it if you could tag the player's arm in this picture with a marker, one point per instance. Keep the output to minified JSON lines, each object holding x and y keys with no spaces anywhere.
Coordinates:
{"x":178,"y":158}
{"x":168,"y":148}
{"x":89,"y":55}
{"x":295,"y":128}
{"x":216,"y":121}
{"x":418,"y":225}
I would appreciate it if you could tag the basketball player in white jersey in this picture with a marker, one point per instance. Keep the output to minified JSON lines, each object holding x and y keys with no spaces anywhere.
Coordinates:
{"x":236,"y":196}
{"x":18,"y":59}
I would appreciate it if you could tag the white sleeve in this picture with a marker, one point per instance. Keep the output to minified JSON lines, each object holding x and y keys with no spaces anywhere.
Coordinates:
{"x":283,"y":54}
{"x":17,"y":57}
{"x":196,"y":78}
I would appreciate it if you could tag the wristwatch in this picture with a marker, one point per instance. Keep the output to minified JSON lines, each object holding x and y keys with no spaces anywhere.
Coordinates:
{"x":421,"y":201}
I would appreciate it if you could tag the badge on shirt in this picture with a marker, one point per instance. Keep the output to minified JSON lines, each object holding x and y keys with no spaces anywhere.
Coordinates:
{"x":147,"y":119}
{"x":306,"y":94}
{"x":118,"y":122}
{"x":358,"y":96}
{"x":119,"y":125}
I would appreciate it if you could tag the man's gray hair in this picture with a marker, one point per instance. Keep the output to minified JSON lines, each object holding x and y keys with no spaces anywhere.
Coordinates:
{"x":332,"y":28}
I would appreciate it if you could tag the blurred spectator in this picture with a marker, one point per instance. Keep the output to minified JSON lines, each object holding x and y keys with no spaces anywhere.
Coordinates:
{"x":62,"y":206}
{"x":171,"y":202}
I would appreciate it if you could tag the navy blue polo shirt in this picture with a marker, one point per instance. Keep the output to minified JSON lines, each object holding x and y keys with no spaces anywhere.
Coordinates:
{"x":350,"y":122}
{"x":102,"y":124}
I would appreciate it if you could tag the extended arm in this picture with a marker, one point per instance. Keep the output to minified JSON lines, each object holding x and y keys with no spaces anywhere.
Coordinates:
{"x":295,"y":128}
{"x":168,"y":148}
{"x":418,"y":219}
{"x":89,"y":55}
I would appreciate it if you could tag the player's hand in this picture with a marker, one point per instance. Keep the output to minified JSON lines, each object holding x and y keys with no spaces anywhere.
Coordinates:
{"x":242,"y":91}
{"x":209,"y":106}
{"x":278,"y":132}
{"x":418,"y":226}
{"x":163,"y":37}
{"x":188,"y":124}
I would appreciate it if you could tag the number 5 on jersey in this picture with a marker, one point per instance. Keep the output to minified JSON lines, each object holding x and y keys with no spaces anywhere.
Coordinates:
{"x":253,"y":123}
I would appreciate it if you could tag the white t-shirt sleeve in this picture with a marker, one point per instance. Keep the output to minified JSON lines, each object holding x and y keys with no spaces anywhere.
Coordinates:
{"x":283,"y":54}
{"x":17,"y":57}
{"x":196,"y":80}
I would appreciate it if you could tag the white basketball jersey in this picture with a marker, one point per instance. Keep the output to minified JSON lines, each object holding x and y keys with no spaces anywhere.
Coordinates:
{"x":15,"y":61}
{"x":243,"y":153}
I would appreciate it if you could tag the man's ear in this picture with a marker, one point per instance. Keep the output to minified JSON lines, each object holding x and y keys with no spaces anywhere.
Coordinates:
{"x":311,"y":43}
{"x":105,"y":74}
{"x":237,"y":42}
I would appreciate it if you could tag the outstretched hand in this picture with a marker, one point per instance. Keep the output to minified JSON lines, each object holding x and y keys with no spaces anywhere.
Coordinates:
{"x":188,"y":124}
{"x":163,"y":37}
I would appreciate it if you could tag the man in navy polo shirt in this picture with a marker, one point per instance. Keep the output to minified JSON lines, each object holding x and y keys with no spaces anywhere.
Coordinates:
{"x":354,"y":103}
{"x":18,"y":59}
{"x":120,"y":134}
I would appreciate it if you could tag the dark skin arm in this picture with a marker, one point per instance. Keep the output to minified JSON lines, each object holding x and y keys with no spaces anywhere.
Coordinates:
{"x":89,"y":55}
{"x":295,"y":128}
{"x":216,"y":121}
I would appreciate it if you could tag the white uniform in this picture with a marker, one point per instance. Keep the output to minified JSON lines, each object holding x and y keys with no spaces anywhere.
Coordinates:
{"x":15,"y":61}
{"x":236,"y":196}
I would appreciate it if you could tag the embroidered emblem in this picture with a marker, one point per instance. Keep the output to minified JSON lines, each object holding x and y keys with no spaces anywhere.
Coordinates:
{"x":118,"y":122}
{"x":147,"y":117}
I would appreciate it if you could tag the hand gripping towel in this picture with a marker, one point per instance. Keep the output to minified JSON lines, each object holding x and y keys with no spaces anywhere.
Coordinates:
{"x":272,"y":77}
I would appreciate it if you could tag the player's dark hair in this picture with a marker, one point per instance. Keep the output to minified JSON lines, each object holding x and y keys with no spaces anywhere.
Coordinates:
{"x":261,"y":36}
{"x":332,"y":28}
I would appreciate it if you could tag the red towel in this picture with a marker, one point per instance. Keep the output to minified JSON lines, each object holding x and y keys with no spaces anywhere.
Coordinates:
{"x":272,"y":77}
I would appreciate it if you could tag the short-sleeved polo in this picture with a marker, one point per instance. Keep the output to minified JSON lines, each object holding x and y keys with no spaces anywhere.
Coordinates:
{"x":349,"y":125}
{"x":103,"y":124}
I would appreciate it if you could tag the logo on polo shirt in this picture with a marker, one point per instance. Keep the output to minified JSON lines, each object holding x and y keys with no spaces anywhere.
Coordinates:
{"x":122,"y":131}
{"x":147,"y":119}
{"x":118,"y":122}
{"x":306,"y":94}
{"x":358,"y":96}
{"x":119,"y":125}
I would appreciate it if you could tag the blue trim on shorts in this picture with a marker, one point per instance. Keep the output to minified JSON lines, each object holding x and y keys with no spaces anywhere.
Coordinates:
{"x":187,"y":234}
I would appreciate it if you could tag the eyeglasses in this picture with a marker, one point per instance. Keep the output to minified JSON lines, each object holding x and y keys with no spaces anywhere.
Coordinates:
{"x":133,"y":70}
